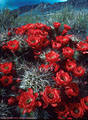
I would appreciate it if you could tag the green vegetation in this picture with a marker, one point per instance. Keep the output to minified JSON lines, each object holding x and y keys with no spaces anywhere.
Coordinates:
{"x":7,"y":19}
{"x":77,"y":19}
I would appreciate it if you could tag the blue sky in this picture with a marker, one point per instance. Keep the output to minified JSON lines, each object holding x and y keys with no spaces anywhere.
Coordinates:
{"x":12,"y":4}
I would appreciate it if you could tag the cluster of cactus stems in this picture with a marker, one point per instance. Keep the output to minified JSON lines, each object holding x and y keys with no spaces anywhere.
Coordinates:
{"x":43,"y":73}
{"x":33,"y":78}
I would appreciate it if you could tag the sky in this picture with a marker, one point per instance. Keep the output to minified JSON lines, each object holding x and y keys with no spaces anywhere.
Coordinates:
{"x":12,"y":4}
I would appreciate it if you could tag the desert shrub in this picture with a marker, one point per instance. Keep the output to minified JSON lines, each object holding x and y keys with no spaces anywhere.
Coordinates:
{"x":81,"y":22}
{"x":22,"y":20}
{"x":7,"y":19}
{"x":78,"y":20}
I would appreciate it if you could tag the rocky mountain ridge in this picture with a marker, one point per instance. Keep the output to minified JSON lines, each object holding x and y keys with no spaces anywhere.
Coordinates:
{"x":44,"y":7}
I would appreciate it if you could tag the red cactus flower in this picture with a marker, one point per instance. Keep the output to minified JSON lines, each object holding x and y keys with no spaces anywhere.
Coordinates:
{"x":6,"y":67}
{"x":14,"y":88}
{"x":68,"y":35}
{"x":40,"y":26}
{"x":37,"y":41}
{"x":9,"y":33}
{"x":44,"y":67}
{"x":72,"y":90}
{"x":11,"y":100}
{"x":13,"y":45}
{"x":33,"y":41}
{"x":20,"y":31}
{"x":68,"y":52}
{"x":62,"y":110}
{"x":81,"y":46}
{"x":27,"y":101}
{"x":62,"y":78}
{"x":37,"y":33}
{"x":6,"y":80}
{"x":64,"y":32}
{"x":84,"y":103}
{"x":87,"y":39}
{"x":56,"y":45}
{"x":67,"y":27}
{"x":70,"y":65}
{"x":37,"y":38}
{"x":78,"y":71}
{"x":37,"y":52}
{"x":77,"y":110}
{"x":45,"y":43}
{"x":49,"y":67}
{"x":65,"y":40}
{"x":54,"y":67}
{"x":4,"y":47}
{"x":48,"y":28}
{"x":56,"y":25}
{"x":59,"y":38}
{"x":9,"y":29}
{"x":50,"y":96}
{"x":52,"y":57}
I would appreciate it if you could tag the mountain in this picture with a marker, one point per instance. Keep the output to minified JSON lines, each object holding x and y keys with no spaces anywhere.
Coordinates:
{"x":78,"y":3}
{"x":24,"y":9}
{"x":38,"y":8}
{"x":47,"y":7}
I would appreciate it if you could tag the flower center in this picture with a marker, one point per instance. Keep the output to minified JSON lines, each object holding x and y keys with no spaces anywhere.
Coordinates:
{"x":28,"y":101}
{"x":86,"y":103}
{"x":50,"y":95}
{"x":33,"y":41}
{"x":76,"y":111}
{"x":70,"y":66}
{"x":69,"y":51}
{"x":13,"y":45}
{"x":64,"y":39}
{"x":63,"y":117}
{"x":6,"y":80}
{"x":82,"y":46}
{"x":79,"y":71}
{"x":52,"y":57}
{"x":6,"y":67}
{"x":62,"y":78}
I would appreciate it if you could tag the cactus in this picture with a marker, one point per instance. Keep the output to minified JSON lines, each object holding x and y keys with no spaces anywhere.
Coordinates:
{"x":33,"y":78}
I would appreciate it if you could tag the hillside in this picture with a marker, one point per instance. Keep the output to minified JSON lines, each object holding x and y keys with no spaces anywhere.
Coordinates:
{"x":47,"y":7}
